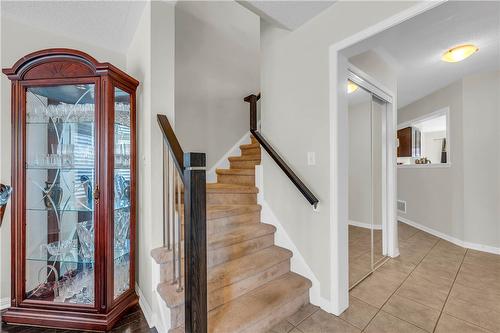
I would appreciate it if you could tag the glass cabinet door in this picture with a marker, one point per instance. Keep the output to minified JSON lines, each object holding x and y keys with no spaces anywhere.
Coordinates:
{"x":122,"y":194}
{"x":60,"y":179}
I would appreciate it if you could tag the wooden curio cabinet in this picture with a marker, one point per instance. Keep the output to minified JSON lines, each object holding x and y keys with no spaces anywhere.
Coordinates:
{"x":74,"y":199}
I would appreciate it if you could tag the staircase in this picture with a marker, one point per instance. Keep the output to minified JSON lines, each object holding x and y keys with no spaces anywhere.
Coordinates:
{"x":250,"y":285}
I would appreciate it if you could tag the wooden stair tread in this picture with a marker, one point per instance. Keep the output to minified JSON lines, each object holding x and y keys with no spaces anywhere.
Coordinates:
{"x":233,"y":235}
{"x":254,"y":157}
{"x":239,"y":234}
{"x":230,"y":188}
{"x":248,"y":310}
{"x":220,"y":211}
{"x":228,"y":273}
{"x":250,"y":146}
{"x":236,"y":172}
{"x":238,"y":269}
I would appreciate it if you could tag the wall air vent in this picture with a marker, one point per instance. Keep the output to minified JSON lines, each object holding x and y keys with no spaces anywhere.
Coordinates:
{"x":402,"y":206}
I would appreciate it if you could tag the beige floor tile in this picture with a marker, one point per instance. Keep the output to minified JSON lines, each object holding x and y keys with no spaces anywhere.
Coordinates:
{"x":302,"y":314}
{"x":412,"y":312}
{"x":376,"y":289}
{"x":295,"y":330}
{"x":359,"y":313}
{"x":446,"y":270}
{"x":483,"y":257}
{"x":424,"y":291}
{"x":386,"y":323}
{"x":406,"y":231}
{"x":449,"y":324}
{"x":474,"y":314}
{"x":400,"y":268}
{"x":488,"y":299}
{"x":283,"y":327}
{"x":471,"y":275}
{"x":441,"y":284}
{"x":322,"y":322}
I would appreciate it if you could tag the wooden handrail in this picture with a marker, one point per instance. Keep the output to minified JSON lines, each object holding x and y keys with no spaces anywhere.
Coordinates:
{"x":253,"y":99}
{"x":172,"y":142}
{"x":192,"y":171}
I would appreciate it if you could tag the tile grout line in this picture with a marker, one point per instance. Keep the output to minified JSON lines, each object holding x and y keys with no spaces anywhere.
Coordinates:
{"x":399,"y":287}
{"x":300,"y":322}
{"x":449,"y":293}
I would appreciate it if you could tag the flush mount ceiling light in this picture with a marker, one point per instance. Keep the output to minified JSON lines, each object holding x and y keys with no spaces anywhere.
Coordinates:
{"x":351,"y":87}
{"x":459,"y":53}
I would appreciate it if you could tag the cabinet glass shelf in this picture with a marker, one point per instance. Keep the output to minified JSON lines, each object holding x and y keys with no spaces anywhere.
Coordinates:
{"x":73,"y":257}
{"x":72,"y":209}
{"x":63,"y":168}
{"x":76,"y":122}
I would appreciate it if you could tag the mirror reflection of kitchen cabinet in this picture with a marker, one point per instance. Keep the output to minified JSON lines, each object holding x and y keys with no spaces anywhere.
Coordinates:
{"x":409,"y":142}
{"x":73,"y":216}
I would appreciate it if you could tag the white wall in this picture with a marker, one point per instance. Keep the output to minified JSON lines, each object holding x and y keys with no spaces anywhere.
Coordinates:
{"x":481,"y":158}
{"x":150,"y":59}
{"x":17,"y":41}
{"x":460,"y":201}
{"x":217,"y":65}
{"x":434,"y":196}
{"x":295,"y":119}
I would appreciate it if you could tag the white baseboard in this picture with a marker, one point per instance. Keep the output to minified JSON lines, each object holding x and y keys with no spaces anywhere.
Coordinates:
{"x":4,"y":303}
{"x":456,"y":241}
{"x":365,"y":225}
{"x":223,"y":163}
{"x":298,"y":263}
{"x":145,"y":307}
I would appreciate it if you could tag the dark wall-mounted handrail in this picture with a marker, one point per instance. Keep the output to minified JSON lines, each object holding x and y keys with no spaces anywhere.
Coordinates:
{"x":172,"y":142}
{"x":252,"y":100}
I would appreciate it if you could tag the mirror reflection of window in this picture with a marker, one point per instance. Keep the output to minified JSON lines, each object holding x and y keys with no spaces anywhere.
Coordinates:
{"x":424,"y":141}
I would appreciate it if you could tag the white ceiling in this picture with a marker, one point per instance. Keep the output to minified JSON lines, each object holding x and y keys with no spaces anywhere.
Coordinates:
{"x":287,"y":14}
{"x":414,"y":48}
{"x":107,"y":24}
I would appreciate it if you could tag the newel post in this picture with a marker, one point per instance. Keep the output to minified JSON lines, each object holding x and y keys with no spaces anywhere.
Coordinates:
{"x":252,"y":99}
{"x":195,"y":243}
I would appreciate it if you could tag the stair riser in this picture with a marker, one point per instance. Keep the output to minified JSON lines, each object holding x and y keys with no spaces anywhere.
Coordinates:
{"x":250,"y":151}
{"x":226,"y":294}
{"x":177,"y":315}
{"x":224,"y":254}
{"x":219,"y":225}
{"x":277,"y":316}
{"x":231,"y":198}
{"x":236,"y":179}
{"x":166,"y":271}
{"x":250,"y":164}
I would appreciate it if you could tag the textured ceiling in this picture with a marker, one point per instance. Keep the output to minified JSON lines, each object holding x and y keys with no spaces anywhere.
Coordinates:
{"x":108,"y":24}
{"x":414,"y":48}
{"x":287,"y":14}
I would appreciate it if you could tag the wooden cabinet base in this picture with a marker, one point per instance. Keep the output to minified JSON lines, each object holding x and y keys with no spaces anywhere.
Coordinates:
{"x":69,"y":320}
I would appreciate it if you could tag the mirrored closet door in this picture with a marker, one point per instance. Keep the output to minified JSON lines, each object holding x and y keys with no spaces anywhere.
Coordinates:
{"x":367,"y":151}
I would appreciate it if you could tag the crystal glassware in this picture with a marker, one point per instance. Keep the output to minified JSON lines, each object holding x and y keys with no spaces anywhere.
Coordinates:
{"x":85,"y":231}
